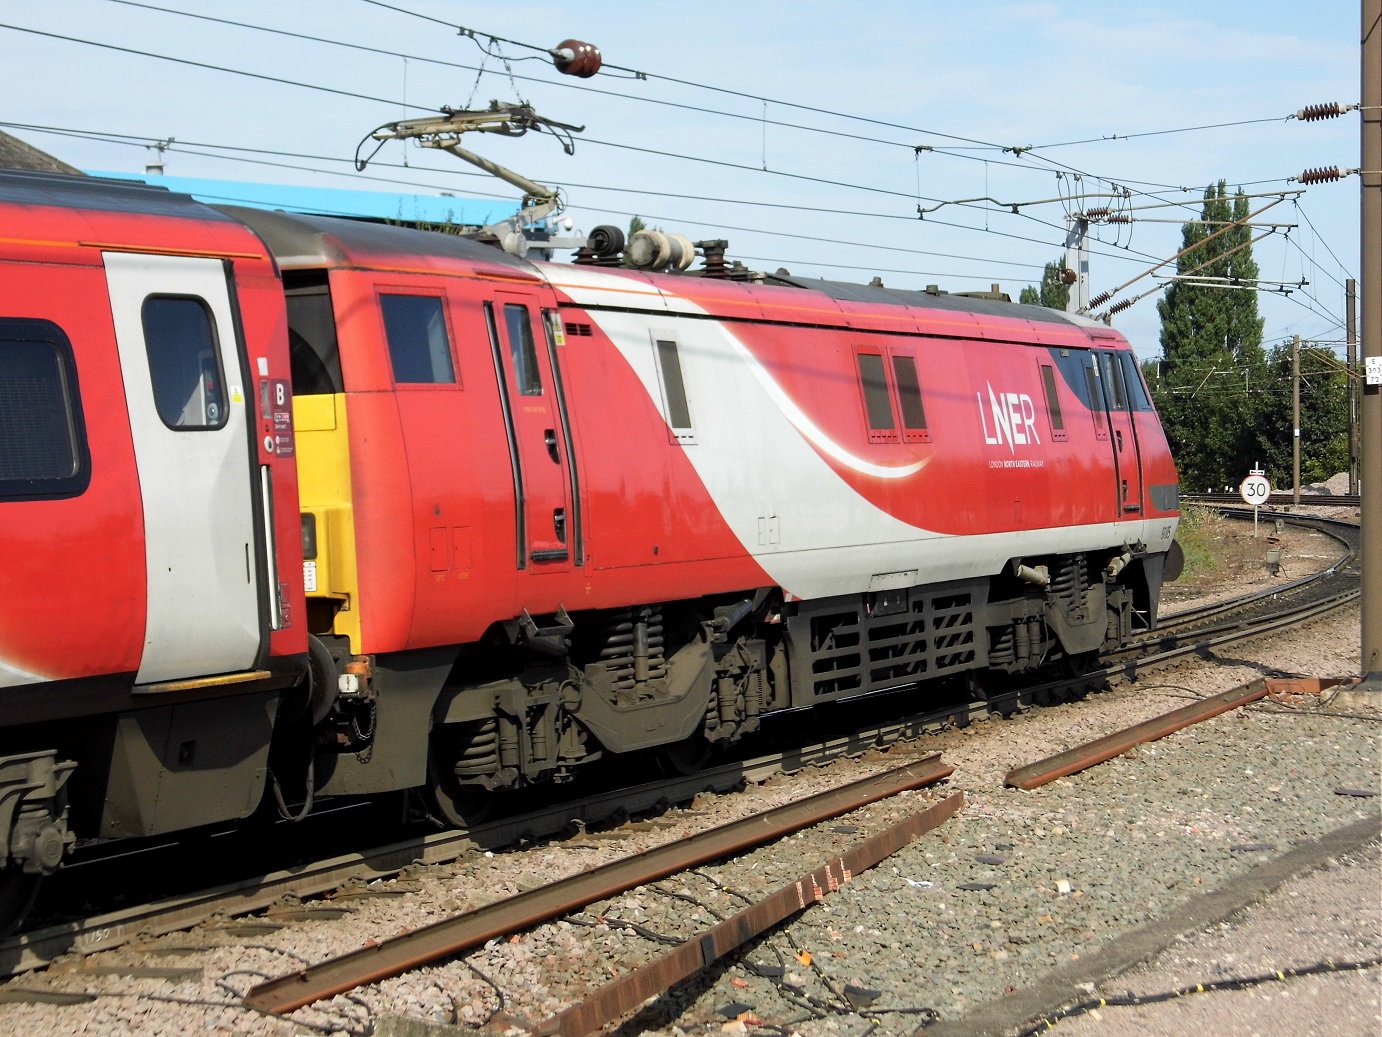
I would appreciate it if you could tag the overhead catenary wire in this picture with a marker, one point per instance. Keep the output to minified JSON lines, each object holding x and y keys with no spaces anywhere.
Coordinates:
{"x":217,"y":151}
{"x":1024,"y":153}
{"x":952,"y":151}
{"x":391,"y":53}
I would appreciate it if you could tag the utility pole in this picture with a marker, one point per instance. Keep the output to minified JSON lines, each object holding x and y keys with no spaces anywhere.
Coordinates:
{"x":1370,"y":177}
{"x":1295,"y":421}
{"x":1076,"y":272}
{"x":1355,"y":377}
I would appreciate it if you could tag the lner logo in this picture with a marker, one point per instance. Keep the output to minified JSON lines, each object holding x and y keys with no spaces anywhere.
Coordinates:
{"x":1014,"y":419}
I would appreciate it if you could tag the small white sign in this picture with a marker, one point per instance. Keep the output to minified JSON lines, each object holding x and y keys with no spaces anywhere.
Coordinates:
{"x":309,"y":576}
{"x":1255,"y":490}
{"x":1373,"y":370}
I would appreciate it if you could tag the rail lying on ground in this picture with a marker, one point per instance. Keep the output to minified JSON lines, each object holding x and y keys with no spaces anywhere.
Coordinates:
{"x":1034,"y":775}
{"x":621,"y":996}
{"x":453,"y":935}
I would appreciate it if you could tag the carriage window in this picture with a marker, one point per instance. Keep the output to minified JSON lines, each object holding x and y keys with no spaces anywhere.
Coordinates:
{"x":909,"y":396}
{"x":189,"y":389}
{"x":419,"y":346}
{"x":1053,"y":411}
{"x":42,"y":438}
{"x":878,"y":405}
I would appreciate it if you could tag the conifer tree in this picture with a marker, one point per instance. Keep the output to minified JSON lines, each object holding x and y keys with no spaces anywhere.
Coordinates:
{"x":1218,"y":417}
{"x":1201,"y":322}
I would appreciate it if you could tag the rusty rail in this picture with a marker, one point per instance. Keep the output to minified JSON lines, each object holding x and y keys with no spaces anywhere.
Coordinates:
{"x":1034,"y":775}
{"x":462,"y":932}
{"x":617,"y":998}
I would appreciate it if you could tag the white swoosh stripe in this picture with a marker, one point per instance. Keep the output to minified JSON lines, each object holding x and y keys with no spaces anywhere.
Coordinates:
{"x":12,"y":676}
{"x":813,"y":433}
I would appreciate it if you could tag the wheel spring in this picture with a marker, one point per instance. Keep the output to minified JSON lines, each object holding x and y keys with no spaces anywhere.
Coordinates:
{"x":477,"y":749}
{"x":633,"y":653}
{"x":1070,"y":582}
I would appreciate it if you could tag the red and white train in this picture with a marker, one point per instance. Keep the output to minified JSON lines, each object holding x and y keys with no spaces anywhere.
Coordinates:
{"x":322,"y":507}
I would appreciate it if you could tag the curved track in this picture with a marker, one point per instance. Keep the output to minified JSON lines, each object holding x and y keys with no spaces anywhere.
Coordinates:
{"x":1183,"y":634}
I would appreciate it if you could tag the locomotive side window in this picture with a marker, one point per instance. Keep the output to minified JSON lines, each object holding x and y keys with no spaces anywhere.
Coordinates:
{"x":1132,"y":377}
{"x":43,"y":450}
{"x":1053,"y":411}
{"x":1098,"y":407}
{"x":184,"y":366}
{"x":878,"y":404}
{"x":520,"y":328}
{"x":419,"y":347}
{"x":674,"y":398}
{"x":315,"y":354}
{"x":1113,"y":381}
{"x":909,"y":396}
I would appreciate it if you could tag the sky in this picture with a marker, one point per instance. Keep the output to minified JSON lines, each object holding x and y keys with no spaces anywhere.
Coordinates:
{"x":839,"y":140}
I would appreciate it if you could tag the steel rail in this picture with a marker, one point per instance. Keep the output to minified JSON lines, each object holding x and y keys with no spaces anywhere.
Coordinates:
{"x":622,"y":995}
{"x":33,"y":950}
{"x":1198,"y":613}
{"x":1082,"y":757}
{"x":462,"y":932}
{"x":1129,"y":661}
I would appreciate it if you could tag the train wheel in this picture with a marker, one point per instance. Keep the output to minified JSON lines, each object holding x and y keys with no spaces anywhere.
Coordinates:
{"x":469,"y":749}
{"x":685,"y":757}
{"x":462,"y":805}
{"x":1082,"y":668}
{"x":17,"y":894}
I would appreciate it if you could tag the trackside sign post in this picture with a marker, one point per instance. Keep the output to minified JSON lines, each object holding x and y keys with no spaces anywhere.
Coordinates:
{"x":1255,"y":490}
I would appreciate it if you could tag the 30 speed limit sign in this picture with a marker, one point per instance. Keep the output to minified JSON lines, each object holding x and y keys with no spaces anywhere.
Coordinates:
{"x":1255,"y":489}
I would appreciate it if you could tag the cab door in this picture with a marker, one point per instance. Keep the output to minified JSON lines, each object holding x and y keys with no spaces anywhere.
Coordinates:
{"x":184,"y":388}
{"x":1127,"y":457}
{"x":539,"y":437}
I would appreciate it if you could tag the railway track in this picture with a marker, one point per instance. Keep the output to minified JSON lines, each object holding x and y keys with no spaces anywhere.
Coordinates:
{"x":1188,"y":633}
{"x":1279,"y":499}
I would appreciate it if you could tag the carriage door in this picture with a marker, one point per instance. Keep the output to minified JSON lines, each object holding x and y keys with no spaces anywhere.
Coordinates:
{"x":184,"y":386}
{"x":539,"y":441}
{"x":1126,"y":455}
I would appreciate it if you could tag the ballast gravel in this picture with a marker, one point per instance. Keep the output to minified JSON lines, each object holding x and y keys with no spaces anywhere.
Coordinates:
{"x":1015,"y":888}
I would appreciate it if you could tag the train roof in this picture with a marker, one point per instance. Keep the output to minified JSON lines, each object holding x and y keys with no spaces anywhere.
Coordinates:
{"x":99,"y":194}
{"x":868,"y":293}
{"x":307,"y":241}
{"x":299,"y":240}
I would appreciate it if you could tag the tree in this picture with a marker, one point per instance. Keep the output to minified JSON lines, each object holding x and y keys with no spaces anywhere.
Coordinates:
{"x":1216,"y":392}
{"x":1323,"y":415}
{"x":1213,"y":322}
{"x":1054,"y":292}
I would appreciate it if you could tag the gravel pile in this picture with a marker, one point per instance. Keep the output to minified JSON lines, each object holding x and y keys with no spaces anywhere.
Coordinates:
{"x":1017,"y":885}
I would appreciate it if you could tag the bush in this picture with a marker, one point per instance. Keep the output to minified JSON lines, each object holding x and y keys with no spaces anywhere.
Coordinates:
{"x":1199,"y":528}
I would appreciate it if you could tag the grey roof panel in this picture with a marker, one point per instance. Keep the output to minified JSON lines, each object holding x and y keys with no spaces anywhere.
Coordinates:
{"x":304,"y":240}
{"x":98,"y":193}
{"x":864,"y":293}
